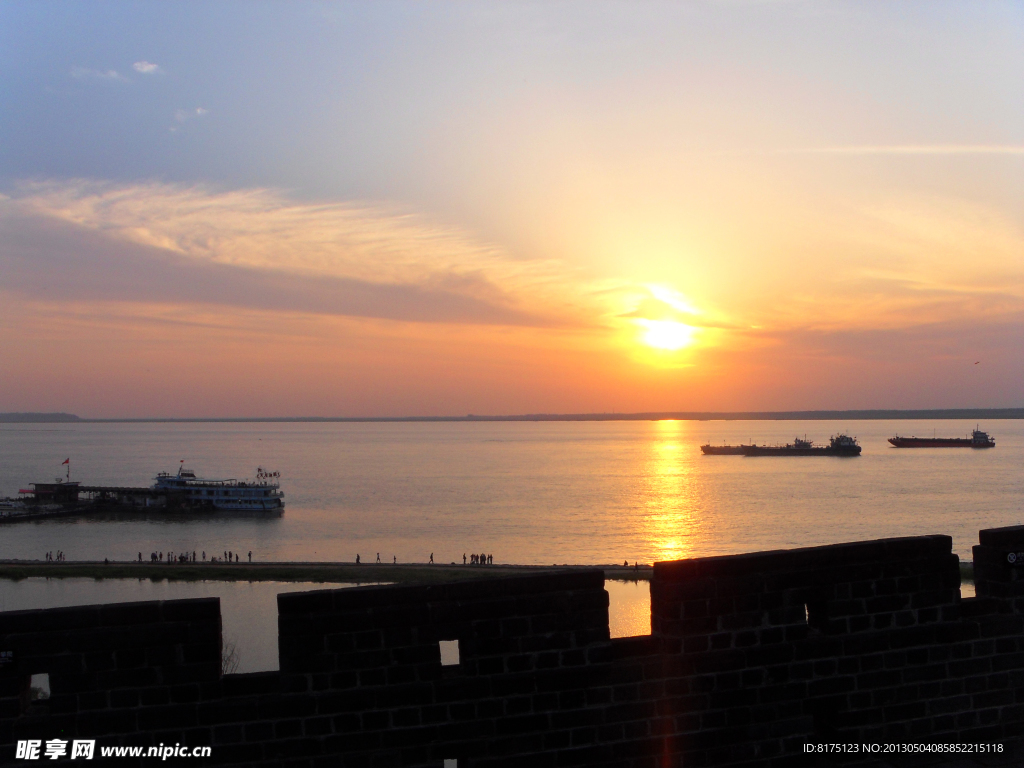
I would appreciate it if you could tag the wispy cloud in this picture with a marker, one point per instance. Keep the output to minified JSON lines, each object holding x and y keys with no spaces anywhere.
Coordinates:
{"x":147,"y":68}
{"x":909,"y":149}
{"x":257,"y":249}
{"x":184,"y":115}
{"x":76,"y":265}
{"x":84,"y":73}
{"x":653,"y":307}
{"x":908,"y":264}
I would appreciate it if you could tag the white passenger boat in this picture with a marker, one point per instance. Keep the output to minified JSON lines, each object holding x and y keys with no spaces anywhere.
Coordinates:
{"x":263,"y":493}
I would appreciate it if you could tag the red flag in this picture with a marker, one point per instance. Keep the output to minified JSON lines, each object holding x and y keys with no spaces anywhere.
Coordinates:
{"x":66,"y":461}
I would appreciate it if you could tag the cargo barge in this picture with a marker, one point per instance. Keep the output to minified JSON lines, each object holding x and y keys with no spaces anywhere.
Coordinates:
{"x":724,"y":450}
{"x":838,"y":445}
{"x":978,"y":439}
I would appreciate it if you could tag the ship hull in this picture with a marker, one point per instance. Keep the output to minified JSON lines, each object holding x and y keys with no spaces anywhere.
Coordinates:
{"x":939,"y":442}
{"x":273,"y":505}
{"x":724,"y":450}
{"x":764,"y":450}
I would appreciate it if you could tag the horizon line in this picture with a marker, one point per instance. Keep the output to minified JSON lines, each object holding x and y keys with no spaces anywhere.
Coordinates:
{"x":873,"y":414}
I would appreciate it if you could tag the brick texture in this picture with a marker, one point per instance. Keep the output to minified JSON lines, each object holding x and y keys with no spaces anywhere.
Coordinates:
{"x":750,"y":657}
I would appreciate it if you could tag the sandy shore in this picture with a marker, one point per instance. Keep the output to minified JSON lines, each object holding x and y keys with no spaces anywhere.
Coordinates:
{"x":317,"y":572}
{"x":350,"y":573}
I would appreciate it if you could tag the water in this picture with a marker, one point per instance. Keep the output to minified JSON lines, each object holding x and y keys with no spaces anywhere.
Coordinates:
{"x":564,"y":492}
{"x":541,"y":493}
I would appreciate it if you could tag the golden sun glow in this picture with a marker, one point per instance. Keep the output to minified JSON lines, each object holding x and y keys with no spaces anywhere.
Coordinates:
{"x":672,"y":298}
{"x":666,"y":334}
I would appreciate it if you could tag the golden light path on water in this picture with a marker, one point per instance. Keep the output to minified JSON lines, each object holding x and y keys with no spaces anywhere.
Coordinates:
{"x":672,"y":517}
{"x":671,"y":521}
{"x":629,"y":609}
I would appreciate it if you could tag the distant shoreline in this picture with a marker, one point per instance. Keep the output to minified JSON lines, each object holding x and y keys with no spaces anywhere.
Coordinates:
{"x":857,"y":415}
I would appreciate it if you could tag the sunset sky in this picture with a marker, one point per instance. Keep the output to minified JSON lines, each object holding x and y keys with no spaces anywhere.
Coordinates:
{"x":442,"y":208}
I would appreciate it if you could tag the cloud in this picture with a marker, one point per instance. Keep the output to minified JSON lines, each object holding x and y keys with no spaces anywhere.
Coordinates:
{"x":654,"y":308}
{"x":147,"y":68}
{"x":910,"y":149}
{"x":184,"y":115}
{"x":255,"y":249}
{"x":62,"y":262}
{"x":961,"y":341}
{"x":906,"y":264}
{"x":83,"y":73}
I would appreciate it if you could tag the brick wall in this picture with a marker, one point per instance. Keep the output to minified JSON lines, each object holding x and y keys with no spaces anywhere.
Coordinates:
{"x":865,"y":642}
{"x":128,"y":673}
{"x":750,"y":656}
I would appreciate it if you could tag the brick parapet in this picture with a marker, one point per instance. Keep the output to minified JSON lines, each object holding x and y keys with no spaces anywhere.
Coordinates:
{"x":130,"y":673}
{"x":750,"y":657}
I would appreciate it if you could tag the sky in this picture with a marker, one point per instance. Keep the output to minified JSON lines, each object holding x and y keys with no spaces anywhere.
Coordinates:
{"x":409,"y":208}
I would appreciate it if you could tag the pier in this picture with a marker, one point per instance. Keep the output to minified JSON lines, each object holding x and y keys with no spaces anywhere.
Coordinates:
{"x":72,"y":493}
{"x":70,"y":499}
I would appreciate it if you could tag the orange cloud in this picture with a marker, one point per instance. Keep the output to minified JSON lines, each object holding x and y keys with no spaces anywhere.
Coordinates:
{"x":159,"y":300}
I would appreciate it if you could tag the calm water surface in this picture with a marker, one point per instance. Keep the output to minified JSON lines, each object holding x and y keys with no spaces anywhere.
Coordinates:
{"x":528,"y":493}
{"x":568,"y":492}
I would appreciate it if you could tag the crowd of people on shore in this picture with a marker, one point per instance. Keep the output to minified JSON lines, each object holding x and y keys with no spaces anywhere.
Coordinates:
{"x":191,"y":557}
{"x":474,"y":559}
{"x":394,"y":560}
{"x":180,"y":558}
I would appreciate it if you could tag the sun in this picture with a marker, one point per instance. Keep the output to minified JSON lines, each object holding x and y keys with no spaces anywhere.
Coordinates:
{"x":666,"y":334}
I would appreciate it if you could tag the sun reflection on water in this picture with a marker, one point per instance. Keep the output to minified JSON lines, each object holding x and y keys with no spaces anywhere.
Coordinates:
{"x":672,"y":520}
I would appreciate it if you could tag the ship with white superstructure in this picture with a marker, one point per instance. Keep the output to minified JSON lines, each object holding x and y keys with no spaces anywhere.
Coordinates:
{"x":263,"y":493}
